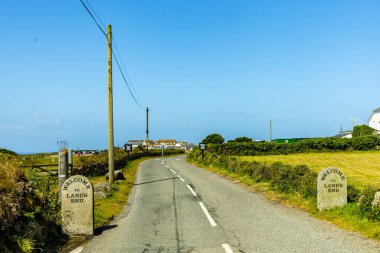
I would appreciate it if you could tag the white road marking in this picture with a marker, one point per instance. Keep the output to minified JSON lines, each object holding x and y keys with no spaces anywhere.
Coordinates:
{"x":173,"y":171}
{"x":191,"y":189}
{"x":166,"y":166}
{"x":156,"y":159}
{"x":227,"y":248}
{"x":212,"y":222}
{"x":77,"y":250}
{"x":178,"y":159}
{"x":163,"y":162}
{"x":181,"y":178}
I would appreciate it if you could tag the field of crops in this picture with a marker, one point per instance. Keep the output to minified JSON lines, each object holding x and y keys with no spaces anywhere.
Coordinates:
{"x":360,"y":168}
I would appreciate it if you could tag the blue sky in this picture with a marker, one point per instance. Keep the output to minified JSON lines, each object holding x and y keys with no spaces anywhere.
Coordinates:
{"x":218,"y":66}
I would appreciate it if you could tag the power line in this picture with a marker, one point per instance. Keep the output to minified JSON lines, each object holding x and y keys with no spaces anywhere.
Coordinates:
{"x":100,"y":20}
{"x":96,"y":22}
{"x":126,"y":73}
{"x":130,"y":91}
{"x":139,"y":104}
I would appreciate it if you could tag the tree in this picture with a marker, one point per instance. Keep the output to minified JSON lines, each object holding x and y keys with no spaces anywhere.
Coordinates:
{"x":363,"y":130}
{"x":214,"y":139}
{"x":242,"y":139}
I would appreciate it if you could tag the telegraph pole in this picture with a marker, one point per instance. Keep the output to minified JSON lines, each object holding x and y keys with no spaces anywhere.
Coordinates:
{"x":111,"y":165}
{"x":147,"y":129}
{"x":270,"y":130}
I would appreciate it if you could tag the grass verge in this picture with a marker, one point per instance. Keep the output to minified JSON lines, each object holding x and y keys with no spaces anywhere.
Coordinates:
{"x":108,"y":208}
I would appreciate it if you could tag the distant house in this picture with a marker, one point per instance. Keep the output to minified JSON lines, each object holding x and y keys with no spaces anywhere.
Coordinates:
{"x":374,"y":119}
{"x":290,"y":140}
{"x":135,"y":143}
{"x":150,"y":143}
{"x":344,"y":134}
{"x":172,"y":144}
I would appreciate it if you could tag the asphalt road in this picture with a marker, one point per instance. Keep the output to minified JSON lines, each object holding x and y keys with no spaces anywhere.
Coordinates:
{"x":177,"y":207}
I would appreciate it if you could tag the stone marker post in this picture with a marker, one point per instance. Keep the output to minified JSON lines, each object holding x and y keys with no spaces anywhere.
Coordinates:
{"x":332,"y":189}
{"x":77,"y":206}
{"x":62,"y":170}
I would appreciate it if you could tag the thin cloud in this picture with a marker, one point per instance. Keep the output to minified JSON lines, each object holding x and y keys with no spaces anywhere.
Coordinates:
{"x":46,"y":124}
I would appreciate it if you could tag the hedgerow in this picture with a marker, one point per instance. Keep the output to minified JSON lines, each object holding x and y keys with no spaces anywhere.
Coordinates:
{"x":302,"y":146}
{"x":97,"y":165}
{"x":28,"y":219}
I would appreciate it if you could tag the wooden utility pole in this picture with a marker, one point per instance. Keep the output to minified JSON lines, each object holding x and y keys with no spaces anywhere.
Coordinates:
{"x":270,"y":130}
{"x":111,"y":165}
{"x":147,"y":129}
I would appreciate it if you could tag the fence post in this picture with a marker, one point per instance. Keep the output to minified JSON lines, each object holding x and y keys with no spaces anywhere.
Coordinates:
{"x":62,"y":170}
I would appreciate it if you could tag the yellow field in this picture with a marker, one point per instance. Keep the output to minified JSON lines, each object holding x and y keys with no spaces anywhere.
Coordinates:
{"x":360,"y":168}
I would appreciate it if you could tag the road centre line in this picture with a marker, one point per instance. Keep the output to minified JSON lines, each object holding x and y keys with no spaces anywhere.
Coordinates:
{"x":227,"y":248}
{"x":181,"y":178}
{"x":191,"y":189}
{"x":166,"y":166}
{"x":173,"y":171}
{"x":210,"y":219}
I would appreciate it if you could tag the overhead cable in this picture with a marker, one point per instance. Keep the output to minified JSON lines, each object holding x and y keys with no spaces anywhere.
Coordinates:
{"x":130,"y":91}
{"x":96,"y":22}
{"x":137,"y":101}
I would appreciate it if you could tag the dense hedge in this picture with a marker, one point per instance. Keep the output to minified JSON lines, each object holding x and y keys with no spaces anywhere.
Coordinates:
{"x":299,"y":180}
{"x":97,"y":165}
{"x":302,"y":146}
{"x":28,"y":217}
{"x":7,"y":152}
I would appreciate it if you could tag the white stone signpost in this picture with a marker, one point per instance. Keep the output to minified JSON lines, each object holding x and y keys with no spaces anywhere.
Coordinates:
{"x":332,"y":189}
{"x":77,"y":205}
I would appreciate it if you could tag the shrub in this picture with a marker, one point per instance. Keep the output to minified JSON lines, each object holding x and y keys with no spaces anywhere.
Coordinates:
{"x":7,"y":152}
{"x":362,"y":130}
{"x":353,"y":194}
{"x":364,"y":204}
{"x":25,"y":213}
{"x":97,"y":165}
{"x":302,"y":146}
{"x":242,"y":139}
{"x":214,"y":138}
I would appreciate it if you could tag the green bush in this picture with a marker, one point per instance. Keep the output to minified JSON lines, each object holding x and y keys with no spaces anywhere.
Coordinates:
{"x":97,"y":165}
{"x":353,"y":194}
{"x":362,"y":130}
{"x":364,"y":204}
{"x":29,"y":211}
{"x":213,"y":138}
{"x":7,"y":152}
{"x":302,"y":146}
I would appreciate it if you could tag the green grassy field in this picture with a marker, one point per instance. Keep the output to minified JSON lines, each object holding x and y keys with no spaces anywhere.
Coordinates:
{"x":360,"y":168}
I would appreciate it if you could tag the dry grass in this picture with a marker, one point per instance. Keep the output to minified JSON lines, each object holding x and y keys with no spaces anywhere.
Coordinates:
{"x":10,"y":173}
{"x":360,"y":168}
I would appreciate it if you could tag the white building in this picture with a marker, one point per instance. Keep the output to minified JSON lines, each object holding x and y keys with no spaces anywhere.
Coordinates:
{"x":344,"y":134}
{"x":374,"y":119}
